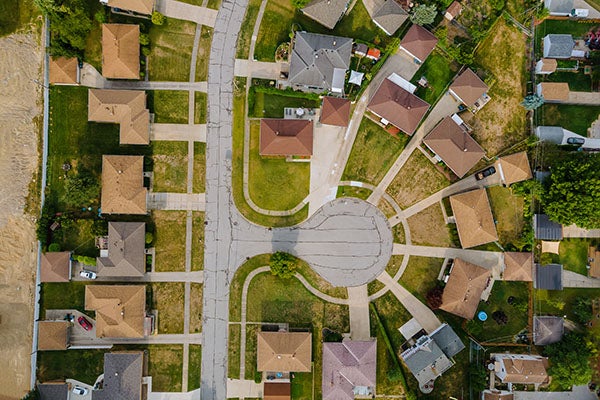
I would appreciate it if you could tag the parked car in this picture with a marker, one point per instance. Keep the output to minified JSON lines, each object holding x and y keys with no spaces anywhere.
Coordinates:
{"x":485,"y":173}
{"x":87,"y":274}
{"x":80,"y":390}
{"x":85,"y":324}
{"x":576,"y":141}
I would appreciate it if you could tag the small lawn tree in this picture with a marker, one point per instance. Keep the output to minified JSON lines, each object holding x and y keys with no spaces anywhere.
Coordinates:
{"x":570,"y":360}
{"x":158,"y":18}
{"x":423,"y":14}
{"x":82,"y":189}
{"x":300,"y":3}
{"x":283,"y":264}
{"x":532,"y":101}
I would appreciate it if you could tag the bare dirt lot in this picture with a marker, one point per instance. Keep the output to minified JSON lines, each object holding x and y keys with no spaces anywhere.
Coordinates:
{"x":20,"y":60}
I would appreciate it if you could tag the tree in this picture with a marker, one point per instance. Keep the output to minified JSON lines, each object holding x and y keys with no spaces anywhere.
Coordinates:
{"x":54,"y":247}
{"x":570,"y":360}
{"x":532,"y":101}
{"x":282,"y":264}
{"x":82,"y":189}
{"x":434,"y":297}
{"x":582,"y":309}
{"x":149,"y":237}
{"x":572,"y":193}
{"x":300,"y":3}
{"x":144,"y":39}
{"x":423,"y":14}
{"x":158,"y":18}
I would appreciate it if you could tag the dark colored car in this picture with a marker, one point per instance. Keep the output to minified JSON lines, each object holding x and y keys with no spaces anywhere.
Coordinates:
{"x":85,"y":324}
{"x":576,"y":141}
{"x":485,"y":173}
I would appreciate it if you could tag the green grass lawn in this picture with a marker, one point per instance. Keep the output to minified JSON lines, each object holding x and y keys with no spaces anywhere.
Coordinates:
{"x":15,"y":14}
{"x":251,"y":343}
{"x":200,"y":110}
{"x":170,"y":166}
{"x":245,"y":35}
{"x":439,"y":71}
{"x":165,"y":366}
{"x":77,"y":237}
{"x":199,"y":167}
{"x":428,"y":228}
{"x":573,"y":254}
{"x":62,"y":296}
{"x":578,"y":81}
{"x":560,"y":302}
{"x":83,"y":365}
{"x":421,"y":275}
{"x":171,"y":50}
{"x":267,"y":105}
{"x":169,"y":106}
{"x":195,"y":362}
{"x":562,"y":115}
{"x":196,"y":291}
{"x":398,"y":232}
{"x":203,"y":53}
{"x":169,"y":240}
{"x":197,"y":240}
{"x":353,"y":191}
{"x":507,"y":210}
{"x":302,"y":385}
{"x":167,"y":298}
{"x":373,"y":152}
{"x":214,"y":4}
{"x":194,"y":2}
{"x":386,"y":208}
{"x":273,"y":183}
{"x":233,"y":359}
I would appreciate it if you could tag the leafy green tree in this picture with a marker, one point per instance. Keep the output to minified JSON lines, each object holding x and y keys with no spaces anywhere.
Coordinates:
{"x":423,"y":14}
{"x":54,"y":247}
{"x":144,"y":39}
{"x":300,"y":3}
{"x":44,"y":222}
{"x":158,"y":18}
{"x":283,"y":264}
{"x":532,"y":101}
{"x":32,"y":395}
{"x":82,"y":189}
{"x":570,"y":360}
{"x":149,"y":237}
{"x":582,"y":309}
{"x":497,"y":5}
{"x":478,"y":377}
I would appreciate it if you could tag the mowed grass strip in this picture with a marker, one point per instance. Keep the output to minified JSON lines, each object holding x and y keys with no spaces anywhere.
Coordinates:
{"x":206,"y":35}
{"x":507,"y":210}
{"x":200,"y":108}
{"x":428,"y":228}
{"x":245,"y":35}
{"x":165,"y":366}
{"x":269,"y":105}
{"x":353,"y":191}
{"x":199,"y":167}
{"x":168,"y":106}
{"x":196,"y":307}
{"x":197,"y":240}
{"x":171,"y":50}
{"x":373,"y":153}
{"x":194,"y":366}
{"x":170,"y":166}
{"x":167,"y":298}
{"x":233,"y":359}
{"x":169,"y":240}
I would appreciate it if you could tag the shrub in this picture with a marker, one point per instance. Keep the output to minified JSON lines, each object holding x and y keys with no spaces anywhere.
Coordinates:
{"x":500,"y":317}
{"x":91,"y":261}
{"x":149,"y":238}
{"x":44,"y":222}
{"x":100,"y":17}
{"x":54,"y":247}
{"x":257,"y":376}
{"x":158,"y":18}
{"x":582,"y":309}
{"x":434,"y":297}
{"x":82,"y":189}
{"x":282,"y":264}
{"x":146,"y":51}
{"x":99,"y":227}
{"x":300,"y":3}
{"x":144,"y":39}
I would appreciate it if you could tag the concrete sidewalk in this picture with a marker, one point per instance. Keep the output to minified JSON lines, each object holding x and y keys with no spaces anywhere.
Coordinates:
{"x":178,"y":132}
{"x":238,"y":388}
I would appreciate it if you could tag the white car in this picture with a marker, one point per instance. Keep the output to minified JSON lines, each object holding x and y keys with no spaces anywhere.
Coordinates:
{"x":87,"y":274}
{"x":80,"y":390}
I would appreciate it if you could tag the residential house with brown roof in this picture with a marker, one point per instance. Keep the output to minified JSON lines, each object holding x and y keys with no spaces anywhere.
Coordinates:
{"x":452,"y":144}
{"x":397,"y":106}
{"x":286,"y":137}
{"x":464,"y":288}
{"x":335,"y":111}
{"x":144,"y":7}
{"x":388,"y":15}
{"x":63,"y":71}
{"x":553,"y":92}
{"x":123,"y":190}
{"x":55,"y":266}
{"x":418,"y":43}
{"x":126,"y":250}
{"x":284,"y":351}
{"x":124,"y":107}
{"x":53,"y":335}
{"x":120,"y":309}
{"x":546,"y":66}
{"x":453,"y":11}
{"x":326,"y":12}
{"x":121,"y":51}
{"x":514,"y":168}
{"x":123,"y":372}
{"x":474,"y":220}
{"x":518,"y":266}
{"x":494,"y":394}
{"x":470,"y":90}
{"x":277,"y":390}
{"x":520,"y":368}
{"x":349,"y":369}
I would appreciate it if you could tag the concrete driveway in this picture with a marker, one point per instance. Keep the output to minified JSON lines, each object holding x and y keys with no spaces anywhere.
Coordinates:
{"x":73,"y":396}
{"x":403,"y":65}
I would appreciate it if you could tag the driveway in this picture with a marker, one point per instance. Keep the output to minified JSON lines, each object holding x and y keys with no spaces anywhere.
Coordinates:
{"x":176,"y":201}
{"x":179,"y":10}
{"x":404,"y":65}
{"x":259,"y":69}
{"x":178,"y":132}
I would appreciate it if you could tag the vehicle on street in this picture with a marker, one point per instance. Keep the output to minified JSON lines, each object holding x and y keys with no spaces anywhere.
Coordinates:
{"x":87,"y":274}
{"x":85,"y":324}
{"x":485,"y":173}
{"x":80,"y":390}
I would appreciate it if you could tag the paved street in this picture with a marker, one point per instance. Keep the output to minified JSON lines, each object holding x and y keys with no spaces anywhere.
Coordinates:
{"x":179,"y":132}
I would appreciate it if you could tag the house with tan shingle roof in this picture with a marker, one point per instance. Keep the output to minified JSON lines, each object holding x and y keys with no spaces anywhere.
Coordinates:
{"x":55,"y":266}
{"x":123,"y":190}
{"x":418,"y":43}
{"x":63,"y":71}
{"x":546,"y":66}
{"x":53,"y":335}
{"x":286,"y":137}
{"x":514,"y":168}
{"x":470,"y":90}
{"x":553,"y":92}
{"x":120,"y":309}
{"x":284,"y":351}
{"x":335,"y":111}
{"x":144,"y":7}
{"x":121,"y":51}
{"x":124,"y":107}
{"x":126,"y":250}
{"x":474,"y":220}
{"x":520,"y":368}
{"x":518,"y":267}
{"x":463,"y":291}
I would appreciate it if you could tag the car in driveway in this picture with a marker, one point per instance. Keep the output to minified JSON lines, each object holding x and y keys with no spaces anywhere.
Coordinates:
{"x":85,"y":324}
{"x":485,"y":173}
{"x":80,"y":390}
{"x":87,"y":274}
{"x":575,"y":141}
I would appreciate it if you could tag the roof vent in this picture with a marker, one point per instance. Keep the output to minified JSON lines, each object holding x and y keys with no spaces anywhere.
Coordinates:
{"x":334,"y":42}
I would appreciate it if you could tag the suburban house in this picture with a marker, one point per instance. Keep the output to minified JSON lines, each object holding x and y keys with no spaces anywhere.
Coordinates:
{"x":520,"y":368}
{"x":518,"y":267}
{"x":548,"y":277}
{"x":120,"y":310}
{"x":284,"y":352}
{"x":349,"y":369}
{"x":123,"y":190}
{"x":558,"y":45}
{"x":547,"y":330}
{"x":55,"y":266}
{"x":453,"y":10}
{"x":319,"y":62}
{"x":514,"y":168}
{"x":124,"y":107}
{"x":553,"y":92}
{"x":277,"y":391}
{"x":286,"y":137}
{"x":126,"y":250}
{"x":452,"y":144}
{"x":546,"y":66}
{"x":464,"y":288}
{"x":559,"y":7}
{"x":335,"y":111}
{"x":64,"y":71}
{"x":431,"y":355}
{"x":326,"y":12}
{"x":144,"y":7}
{"x":474,"y":219}
{"x":53,"y":335}
{"x":386,"y":14}
{"x":396,"y":105}
{"x":470,"y":90}
{"x":418,"y":43}
{"x":123,"y":372}
{"x":121,"y":51}
{"x":545,"y":229}
{"x":53,"y":390}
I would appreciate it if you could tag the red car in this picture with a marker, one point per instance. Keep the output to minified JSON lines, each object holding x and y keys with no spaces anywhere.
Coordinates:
{"x":85,"y":324}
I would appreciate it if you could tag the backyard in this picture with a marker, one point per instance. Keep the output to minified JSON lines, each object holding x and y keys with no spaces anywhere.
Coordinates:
{"x":62,"y":296}
{"x":170,"y":166}
{"x":577,"y":80}
{"x":507,"y":210}
{"x":167,"y":298}
{"x":270,"y":105}
{"x":428,"y":228}
{"x":171,"y":50}
{"x":562,"y":115}
{"x":573,"y":255}
{"x":169,"y":240}
{"x":439,"y":71}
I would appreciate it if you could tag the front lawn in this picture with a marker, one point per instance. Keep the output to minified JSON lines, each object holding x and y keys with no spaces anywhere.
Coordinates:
{"x":199,"y":167}
{"x":169,"y":106}
{"x":170,"y":166}
{"x":194,"y":365}
{"x":204,"y":44}
{"x":169,"y":240}
{"x":562,"y":115}
{"x":573,"y":254}
{"x":353,"y":191}
{"x":439,"y":71}
{"x":196,"y":307}
{"x":245,"y":34}
{"x":373,"y":153}
{"x":197,"y":240}
{"x":269,"y":105}
{"x":421,"y":275}
{"x":507,"y":210}
{"x":428,"y":228}
{"x":165,"y":366}
{"x":171,"y":50}
{"x":167,"y":298}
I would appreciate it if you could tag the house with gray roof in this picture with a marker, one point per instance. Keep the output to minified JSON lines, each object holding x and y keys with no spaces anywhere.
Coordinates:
{"x":559,"y":7}
{"x":123,"y":373}
{"x":126,"y":253}
{"x":53,"y":391}
{"x":545,"y":229}
{"x":389,"y":15}
{"x":319,"y":62}
{"x":558,"y":46}
{"x":548,"y":277}
{"x":326,"y":12}
{"x":547,"y":330}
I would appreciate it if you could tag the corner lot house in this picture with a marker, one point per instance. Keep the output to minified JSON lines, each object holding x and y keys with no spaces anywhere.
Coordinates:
{"x":319,"y":62}
{"x":286,"y":137}
{"x":123,"y":373}
{"x":520,"y":368}
{"x":123,"y":190}
{"x":386,"y":14}
{"x":558,"y":45}
{"x":126,"y":250}
{"x":326,"y":12}
{"x":120,"y":309}
{"x":464,"y":288}
{"x":470,"y":90}
{"x":138,"y":6}
{"x":121,"y":51}
{"x":349,"y":369}
{"x":55,"y":266}
{"x":284,"y":352}
{"x":418,"y":43}
{"x":64,"y":71}
{"x":474,"y":220}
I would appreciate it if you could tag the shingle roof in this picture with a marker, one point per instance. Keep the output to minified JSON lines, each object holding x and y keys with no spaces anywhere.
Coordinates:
{"x":53,"y":391}
{"x":559,"y":6}
{"x":284,"y":351}
{"x":558,"y":45}
{"x":122,"y":376}
{"x":139,"y":6}
{"x":63,"y":70}
{"x":459,"y":151}
{"x":448,"y":340}
{"x":419,"y":42}
{"x":316,"y":57}
{"x":123,"y":189}
{"x":548,"y":65}
{"x":426,"y":362}
{"x":497,"y":395}
{"x":326,"y":12}
{"x":548,"y":277}
{"x":515,"y":168}
{"x":387,"y":14}
{"x":463,"y":290}
{"x":553,"y":91}
{"x":55,"y":266}
{"x":347,"y":365}
{"x":474,"y":220}
{"x":53,"y":335}
{"x":121,"y":51}
{"x":401,"y":108}
{"x":286,"y":137}
{"x":522,"y":369}
{"x":545,"y":229}
{"x":120,"y":309}
{"x":454,"y":9}
{"x":277,"y":391}
{"x":126,"y":258}
{"x":547,"y":330}
{"x":335,"y":111}
{"x":469,"y":87}
{"x":124,"y":107}
{"x":518,"y":267}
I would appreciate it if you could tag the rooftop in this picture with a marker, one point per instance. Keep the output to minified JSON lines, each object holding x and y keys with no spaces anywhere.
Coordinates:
{"x":520,"y":368}
{"x":554,"y":91}
{"x":63,"y":70}
{"x":122,"y":376}
{"x":284,"y":351}
{"x":326,"y":12}
{"x":126,"y":250}
{"x":120,"y":309}
{"x":277,"y":391}
{"x":518,"y":267}
{"x":387,"y":14}
{"x":464,"y":288}
{"x":558,"y":45}
{"x":547,"y":330}
{"x":121,"y":51}
{"x":545,"y":229}
{"x":335,"y":111}
{"x":548,"y":277}
{"x":514,"y":168}
{"x":53,"y":390}
{"x":469,"y":87}
{"x":139,"y":6}
{"x":53,"y":335}
{"x":349,"y":368}
{"x":419,"y":42}
{"x":474,"y":219}
{"x":55,"y":266}
{"x":123,"y":190}
{"x":286,"y":137}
